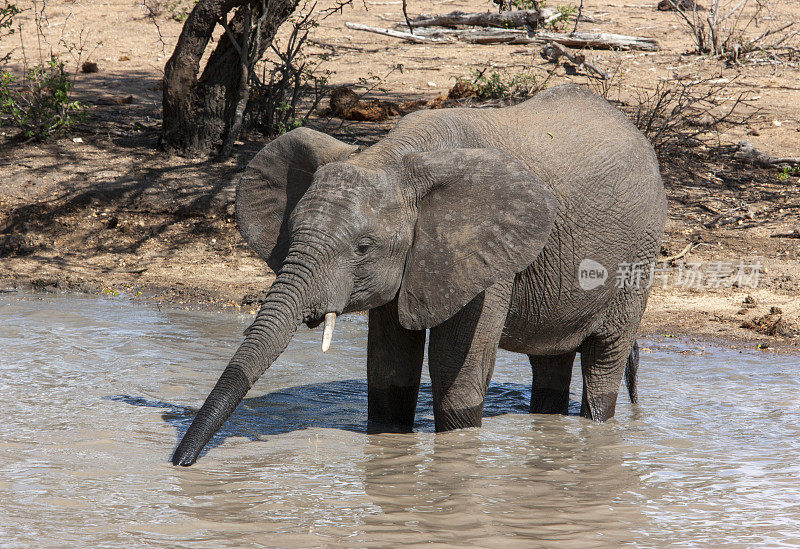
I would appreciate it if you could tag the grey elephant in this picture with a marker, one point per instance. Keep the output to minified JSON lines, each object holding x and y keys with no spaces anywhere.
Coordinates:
{"x":471,"y":223}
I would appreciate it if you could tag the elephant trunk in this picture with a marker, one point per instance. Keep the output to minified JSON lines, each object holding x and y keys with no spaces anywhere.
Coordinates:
{"x":266,"y":339}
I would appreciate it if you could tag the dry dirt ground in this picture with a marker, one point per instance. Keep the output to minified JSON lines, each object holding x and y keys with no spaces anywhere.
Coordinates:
{"x":103,"y":211}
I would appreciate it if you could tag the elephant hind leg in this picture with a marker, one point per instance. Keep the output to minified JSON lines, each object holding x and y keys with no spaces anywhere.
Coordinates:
{"x":632,"y":372}
{"x":551,"y":381}
{"x":603,"y":364}
{"x":611,"y":354}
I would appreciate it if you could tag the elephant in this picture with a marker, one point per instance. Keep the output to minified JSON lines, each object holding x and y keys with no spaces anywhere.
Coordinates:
{"x":472,"y":224}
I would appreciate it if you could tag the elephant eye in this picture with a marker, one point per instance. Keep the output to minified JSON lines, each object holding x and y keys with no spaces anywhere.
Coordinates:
{"x":364,"y":245}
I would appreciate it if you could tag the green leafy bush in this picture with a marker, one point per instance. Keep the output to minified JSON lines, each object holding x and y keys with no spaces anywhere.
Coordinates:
{"x":564,"y":14}
{"x":501,"y":85}
{"x":39,"y":103}
{"x":787,"y":172}
{"x":178,"y":10}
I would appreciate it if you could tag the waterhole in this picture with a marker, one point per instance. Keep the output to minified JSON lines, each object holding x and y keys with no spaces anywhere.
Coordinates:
{"x":95,"y":394}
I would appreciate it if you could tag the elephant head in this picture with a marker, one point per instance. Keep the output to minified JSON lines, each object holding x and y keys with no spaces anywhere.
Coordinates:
{"x":432,"y":229}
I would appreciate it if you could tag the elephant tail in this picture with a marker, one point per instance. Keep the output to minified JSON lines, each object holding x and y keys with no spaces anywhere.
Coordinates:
{"x":631,"y":373}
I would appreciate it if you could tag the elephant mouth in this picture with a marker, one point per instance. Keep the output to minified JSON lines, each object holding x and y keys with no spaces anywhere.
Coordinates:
{"x":315,"y":318}
{"x":314,"y":322}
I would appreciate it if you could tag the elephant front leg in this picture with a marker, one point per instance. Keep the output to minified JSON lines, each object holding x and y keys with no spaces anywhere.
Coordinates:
{"x":394,"y":366}
{"x":551,"y":379}
{"x":461,"y":356}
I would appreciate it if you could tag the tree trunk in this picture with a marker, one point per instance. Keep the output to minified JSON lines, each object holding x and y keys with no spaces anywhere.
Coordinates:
{"x":198,"y":112}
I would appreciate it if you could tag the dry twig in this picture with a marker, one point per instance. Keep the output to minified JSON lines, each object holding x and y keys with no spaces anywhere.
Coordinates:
{"x":671,"y":259}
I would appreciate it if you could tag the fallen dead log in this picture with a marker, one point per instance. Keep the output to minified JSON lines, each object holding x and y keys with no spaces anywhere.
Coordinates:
{"x":599,"y":41}
{"x":517,"y":19}
{"x":489,"y":35}
{"x":747,"y":153}
{"x":388,"y":32}
{"x":580,"y":40}
{"x":476,"y":36}
{"x":794,"y":234}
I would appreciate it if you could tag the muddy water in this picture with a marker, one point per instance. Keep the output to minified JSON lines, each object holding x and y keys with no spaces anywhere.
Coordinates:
{"x":95,"y":393}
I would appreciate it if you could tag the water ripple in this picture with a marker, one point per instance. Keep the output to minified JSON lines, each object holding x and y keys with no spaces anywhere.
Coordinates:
{"x":96,"y":393}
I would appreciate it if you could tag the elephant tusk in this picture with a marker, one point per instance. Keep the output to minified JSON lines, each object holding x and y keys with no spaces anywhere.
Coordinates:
{"x":327,"y":332}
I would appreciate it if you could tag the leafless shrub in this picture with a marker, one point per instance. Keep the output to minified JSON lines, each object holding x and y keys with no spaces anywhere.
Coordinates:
{"x":8,"y":12}
{"x":291,"y":84}
{"x":731,"y":28}
{"x":679,"y":114}
{"x":605,"y":86}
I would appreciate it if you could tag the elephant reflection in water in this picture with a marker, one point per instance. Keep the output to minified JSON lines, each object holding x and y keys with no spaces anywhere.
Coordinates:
{"x":560,"y":481}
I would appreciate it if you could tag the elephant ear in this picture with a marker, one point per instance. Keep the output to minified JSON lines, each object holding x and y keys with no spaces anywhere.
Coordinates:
{"x":482,"y":217}
{"x":273,"y":183}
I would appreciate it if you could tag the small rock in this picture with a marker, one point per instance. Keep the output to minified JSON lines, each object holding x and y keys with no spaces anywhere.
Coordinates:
{"x":88,"y":287}
{"x":343,"y":100}
{"x":77,"y":140}
{"x":124,"y":58}
{"x":777,"y":123}
{"x":754,"y":132}
{"x":772,"y":324}
{"x":682,"y":5}
{"x":775,"y":310}
{"x":46,"y":284}
{"x":89,"y":67}
{"x":109,"y":99}
{"x":345,"y":103}
{"x":461,"y":90}
{"x":741,"y":311}
{"x":705,"y":121}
